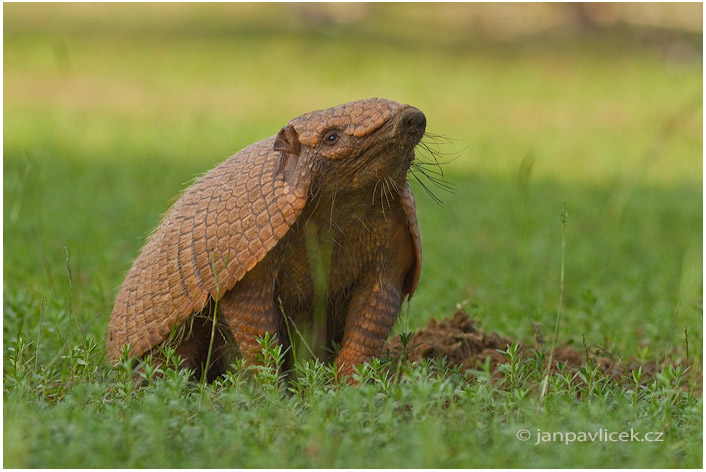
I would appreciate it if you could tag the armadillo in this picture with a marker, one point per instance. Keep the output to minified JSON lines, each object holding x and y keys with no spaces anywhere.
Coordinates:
{"x":331,"y":187}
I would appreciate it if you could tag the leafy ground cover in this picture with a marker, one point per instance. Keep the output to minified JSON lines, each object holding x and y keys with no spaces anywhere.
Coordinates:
{"x":105,"y":120}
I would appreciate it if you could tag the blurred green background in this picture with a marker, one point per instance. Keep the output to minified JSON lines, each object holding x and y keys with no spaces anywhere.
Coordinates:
{"x":110,"y":110}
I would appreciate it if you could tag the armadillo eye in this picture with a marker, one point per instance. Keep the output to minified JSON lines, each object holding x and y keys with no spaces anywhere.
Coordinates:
{"x":331,"y":138}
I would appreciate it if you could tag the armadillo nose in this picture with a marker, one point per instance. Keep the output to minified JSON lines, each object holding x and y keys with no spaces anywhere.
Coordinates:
{"x":414,"y":122}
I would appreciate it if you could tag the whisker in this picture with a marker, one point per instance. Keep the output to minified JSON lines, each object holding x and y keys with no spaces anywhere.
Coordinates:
{"x":333,"y":200}
{"x":437,"y":179}
{"x":375,"y":190}
{"x":427,"y":165}
{"x":395,"y":186}
{"x":426,"y":189}
{"x":431,"y":168}
{"x":387,"y":192}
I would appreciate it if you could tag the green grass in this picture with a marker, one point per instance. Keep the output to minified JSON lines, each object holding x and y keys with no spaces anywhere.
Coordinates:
{"x":106,"y":120}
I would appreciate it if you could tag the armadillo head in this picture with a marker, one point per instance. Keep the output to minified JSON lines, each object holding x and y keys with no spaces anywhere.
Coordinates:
{"x":352,"y":146}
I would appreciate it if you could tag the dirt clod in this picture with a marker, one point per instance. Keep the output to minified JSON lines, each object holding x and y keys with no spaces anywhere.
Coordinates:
{"x":458,"y":338}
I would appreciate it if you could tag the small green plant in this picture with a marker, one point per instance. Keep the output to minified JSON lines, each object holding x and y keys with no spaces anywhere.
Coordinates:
{"x":515,"y":370}
{"x":270,"y":362}
{"x":564,"y":228}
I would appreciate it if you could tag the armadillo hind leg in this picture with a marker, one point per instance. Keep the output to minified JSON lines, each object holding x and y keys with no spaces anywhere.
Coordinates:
{"x":191,"y":343}
{"x":372,"y":313}
{"x":249,"y":311}
{"x":194,"y":348}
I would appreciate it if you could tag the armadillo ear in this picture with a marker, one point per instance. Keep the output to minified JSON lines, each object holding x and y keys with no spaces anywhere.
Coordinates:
{"x":287,"y":140}
{"x":287,"y":143}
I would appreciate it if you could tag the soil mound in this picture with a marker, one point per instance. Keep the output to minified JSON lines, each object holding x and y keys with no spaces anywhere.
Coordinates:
{"x":462,"y":342}
{"x":457,"y":338}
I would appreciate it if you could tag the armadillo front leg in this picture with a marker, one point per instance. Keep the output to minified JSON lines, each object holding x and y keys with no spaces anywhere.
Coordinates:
{"x":371,"y":316}
{"x":249,"y":311}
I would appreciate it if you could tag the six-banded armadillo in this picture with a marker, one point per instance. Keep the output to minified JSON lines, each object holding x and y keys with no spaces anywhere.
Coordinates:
{"x":330,"y":187}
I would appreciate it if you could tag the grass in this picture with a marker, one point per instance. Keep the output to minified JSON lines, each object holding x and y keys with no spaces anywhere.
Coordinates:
{"x":106,"y":120}
{"x":431,"y":417}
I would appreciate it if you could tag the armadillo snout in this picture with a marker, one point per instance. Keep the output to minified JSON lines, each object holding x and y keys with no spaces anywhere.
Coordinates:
{"x":413,"y":123}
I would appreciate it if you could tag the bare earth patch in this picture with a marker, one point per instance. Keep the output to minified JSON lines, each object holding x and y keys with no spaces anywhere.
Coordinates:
{"x":462,"y":342}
